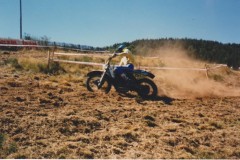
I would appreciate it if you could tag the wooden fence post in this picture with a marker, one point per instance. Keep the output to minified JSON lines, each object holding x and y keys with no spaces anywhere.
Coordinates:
{"x":50,"y":56}
{"x":207,"y":68}
{"x":49,"y":60}
{"x":54,"y":48}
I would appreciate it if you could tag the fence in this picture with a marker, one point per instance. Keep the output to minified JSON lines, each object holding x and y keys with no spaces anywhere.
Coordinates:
{"x":52,"y":53}
{"x":206,"y":69}
{"x":44,"y":42}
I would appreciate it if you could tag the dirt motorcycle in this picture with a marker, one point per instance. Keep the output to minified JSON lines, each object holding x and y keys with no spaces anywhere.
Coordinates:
{"x":104,"y":80}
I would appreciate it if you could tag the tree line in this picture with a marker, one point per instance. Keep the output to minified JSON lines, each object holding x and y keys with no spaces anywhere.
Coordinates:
{"x":212,"y":51}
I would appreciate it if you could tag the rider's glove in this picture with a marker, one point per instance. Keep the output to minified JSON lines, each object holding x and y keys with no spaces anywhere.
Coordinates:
{"x":114,"y":54}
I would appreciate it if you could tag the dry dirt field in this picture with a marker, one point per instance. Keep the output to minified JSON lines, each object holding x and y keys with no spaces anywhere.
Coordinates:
{"x":54,"y":116}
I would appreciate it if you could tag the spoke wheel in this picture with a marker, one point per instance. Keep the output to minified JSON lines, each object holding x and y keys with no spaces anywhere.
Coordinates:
{"x":93,"y":81}
{"x":147,"y":89}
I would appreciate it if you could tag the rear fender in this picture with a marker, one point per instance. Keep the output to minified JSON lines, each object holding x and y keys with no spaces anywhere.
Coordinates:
{"x":143,"y":73}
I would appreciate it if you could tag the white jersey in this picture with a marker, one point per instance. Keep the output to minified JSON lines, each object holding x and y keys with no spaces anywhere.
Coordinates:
{"x":126,"y":57}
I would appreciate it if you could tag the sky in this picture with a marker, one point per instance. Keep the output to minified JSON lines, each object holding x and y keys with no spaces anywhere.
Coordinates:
{"x":102,"y":23}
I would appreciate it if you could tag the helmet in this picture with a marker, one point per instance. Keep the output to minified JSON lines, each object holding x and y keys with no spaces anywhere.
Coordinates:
{"x":120,"y":48}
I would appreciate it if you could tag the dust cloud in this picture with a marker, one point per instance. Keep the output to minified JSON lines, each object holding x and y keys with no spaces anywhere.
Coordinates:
{"x":185,"y":83}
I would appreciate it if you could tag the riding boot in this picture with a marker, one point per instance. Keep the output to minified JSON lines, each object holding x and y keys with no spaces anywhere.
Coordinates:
{"x":130,"y":83}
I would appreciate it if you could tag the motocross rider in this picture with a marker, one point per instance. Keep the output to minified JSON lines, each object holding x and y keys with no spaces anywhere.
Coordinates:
{"x":125,"y":68}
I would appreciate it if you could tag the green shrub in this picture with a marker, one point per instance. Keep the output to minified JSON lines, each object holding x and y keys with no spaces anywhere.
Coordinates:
{"x":218,"y":125}
{"x":2,"y":139}
{"x":55,"y":68}
{"x":42,"y":68}
{"x":218,"y":78}
{"x":12,"y":148}
{"x":34,"y":65}
{"x":31,"y":64}
{"x":6,"y":147}
{"x":14,"y":63}
{"x":87,"y":59}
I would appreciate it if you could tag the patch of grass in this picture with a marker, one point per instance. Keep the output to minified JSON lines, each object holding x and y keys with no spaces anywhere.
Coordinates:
{"x":236,"y":153}
{"x":63,"y":151}
{"x":86,"y":154}
{"x":54,"y":68}
{"x":12,"y":148}
{"x":20,"y":156}
{"x":36,"y":66}
{"x":42,"y":68}
{"x":62,"y":157}
{"x":14,"y":63}
{"x":84,"y":59}
{"x":206,"y":155}
{"x":171,"y":141}
{"x":6,"y":147}
{"x":206,"y":127}
{"x":217,"y":77}
{"x":29,"y":64}
{"x":2,"y":139}
{"x":217,"y":125}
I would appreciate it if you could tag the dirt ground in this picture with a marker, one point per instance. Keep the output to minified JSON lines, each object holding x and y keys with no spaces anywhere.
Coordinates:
{"x":54,"y":116}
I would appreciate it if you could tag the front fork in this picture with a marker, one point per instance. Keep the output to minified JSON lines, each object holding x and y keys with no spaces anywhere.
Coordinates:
{"x":100,"y":83}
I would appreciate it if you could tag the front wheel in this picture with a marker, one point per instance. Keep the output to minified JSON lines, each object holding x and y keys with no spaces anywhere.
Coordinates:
{"x":147,"y":88}
{"x":93,"y":84}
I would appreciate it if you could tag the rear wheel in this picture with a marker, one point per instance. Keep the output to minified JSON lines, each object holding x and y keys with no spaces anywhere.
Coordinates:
{"x":147,"y":88}
{"x":93,"y":81}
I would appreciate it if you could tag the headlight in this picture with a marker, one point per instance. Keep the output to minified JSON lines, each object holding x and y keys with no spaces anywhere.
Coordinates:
{"x":105,"y":66}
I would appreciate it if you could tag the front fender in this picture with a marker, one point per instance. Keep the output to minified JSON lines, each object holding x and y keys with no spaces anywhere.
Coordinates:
{"x":90,"y":74}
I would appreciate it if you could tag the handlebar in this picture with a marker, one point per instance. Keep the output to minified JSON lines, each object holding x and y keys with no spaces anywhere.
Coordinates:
{"x":111,"y":57}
